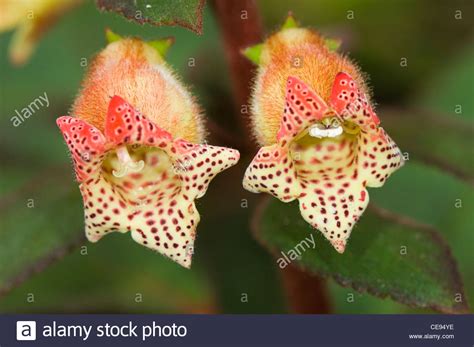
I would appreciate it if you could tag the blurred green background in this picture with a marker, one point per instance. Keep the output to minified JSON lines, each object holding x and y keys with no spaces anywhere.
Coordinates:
{"x":231,"y":273}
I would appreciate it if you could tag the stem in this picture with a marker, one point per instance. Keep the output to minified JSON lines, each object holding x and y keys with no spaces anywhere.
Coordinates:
{"x":221,"y":135}
{"x":240,"y":24}
{"x":305,"y":293}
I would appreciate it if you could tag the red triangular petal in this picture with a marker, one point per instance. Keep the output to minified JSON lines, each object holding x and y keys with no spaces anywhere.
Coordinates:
{"x":125,"y":125}
{"x":351,"y":104}
{"x":303,"y":107}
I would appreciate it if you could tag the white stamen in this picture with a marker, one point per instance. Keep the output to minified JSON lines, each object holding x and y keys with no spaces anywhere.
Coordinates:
{"x":126,"y":163}
{"x":319,"y":132}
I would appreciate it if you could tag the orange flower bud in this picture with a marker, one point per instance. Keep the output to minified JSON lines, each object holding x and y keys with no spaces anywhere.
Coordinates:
{"x":321,"y":140}
{"x":137,"y":72}
{"x":135,"y":143}
{"x":297,"y":52}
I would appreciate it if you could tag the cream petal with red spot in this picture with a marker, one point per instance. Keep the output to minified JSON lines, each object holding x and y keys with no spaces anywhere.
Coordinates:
{"x":155,"y":203}
{"x":198,"y":164}
{"x":86,"y":144}
{"x":334,"y":196}
{"x":378,"y":157}
{"x":327,"y":175}
{"x":272,"y":171}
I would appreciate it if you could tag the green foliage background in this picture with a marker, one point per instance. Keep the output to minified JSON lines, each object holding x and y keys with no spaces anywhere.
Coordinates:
{"x":229,"y":262}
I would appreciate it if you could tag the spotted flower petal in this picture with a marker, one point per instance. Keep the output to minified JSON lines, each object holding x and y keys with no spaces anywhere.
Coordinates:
{"x":302,"y":108}
{"x":272,"y":171}
{"x":125,"y":125}
{"x":328,"y":173}
{"x":380,"y":155}
{"x":86,"y":143}
{"x":138,"y":178}
{"x":348,"y":101}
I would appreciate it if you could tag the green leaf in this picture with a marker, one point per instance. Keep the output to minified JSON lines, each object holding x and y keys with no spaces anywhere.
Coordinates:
{"x":162,"y":46}
{"x":450,"y":89}
{"x":39,"y":223}
{"x":251,"y":261}
{"x":387,"y":256}
{"x":253,"y":53}
{"x":436,"y":139}
{"x":43,"y":221}
{"x":332,"y":44}
{"x":290,"y":22}
{"x":185,"y":13}
{"x":110,"y":36}
{"x":114,"y":275}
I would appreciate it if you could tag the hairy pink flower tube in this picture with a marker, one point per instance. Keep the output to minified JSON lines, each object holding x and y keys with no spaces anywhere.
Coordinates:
{"x":322,"y":143}
{"x":135,"y":176}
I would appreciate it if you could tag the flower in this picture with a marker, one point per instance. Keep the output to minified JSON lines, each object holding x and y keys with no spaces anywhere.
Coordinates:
{"x":135,"y":175}
{"x":322,"y":143}
{"x":33,"y":18}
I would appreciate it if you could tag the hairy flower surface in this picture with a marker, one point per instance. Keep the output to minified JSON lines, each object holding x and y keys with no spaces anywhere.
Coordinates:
{"x":322,"y":143}
{"x":135,"y":175}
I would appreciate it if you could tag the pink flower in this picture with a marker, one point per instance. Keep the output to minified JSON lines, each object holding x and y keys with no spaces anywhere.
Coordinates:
{"x":133,"y":175}
{"x":324,"y":153}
